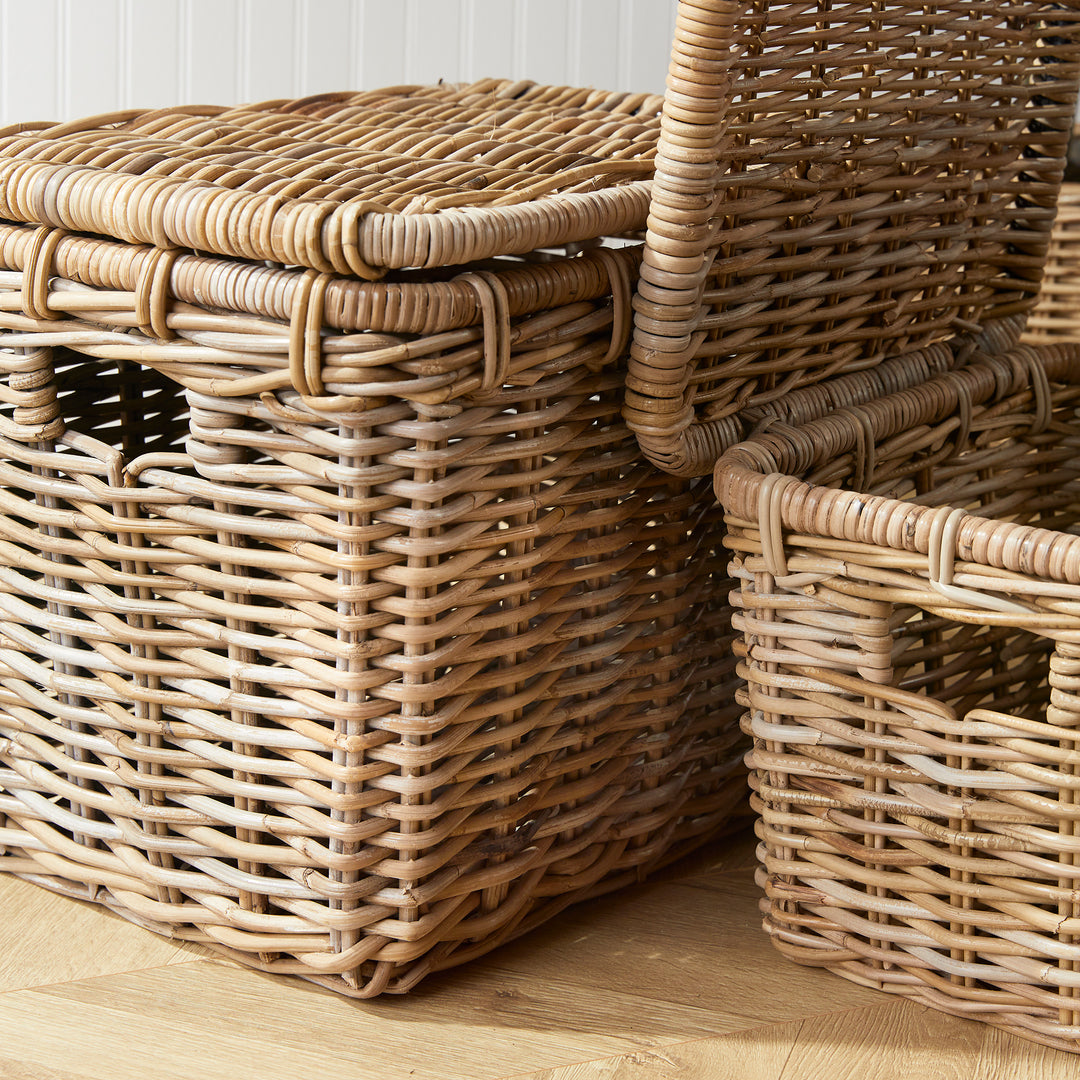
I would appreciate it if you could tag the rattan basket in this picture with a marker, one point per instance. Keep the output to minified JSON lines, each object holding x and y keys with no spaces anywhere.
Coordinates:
{"x":910,"y":619}
{"x":344,"y":625}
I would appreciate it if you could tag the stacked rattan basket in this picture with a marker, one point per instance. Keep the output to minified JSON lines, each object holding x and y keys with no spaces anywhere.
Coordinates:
{"x":364,"y":600}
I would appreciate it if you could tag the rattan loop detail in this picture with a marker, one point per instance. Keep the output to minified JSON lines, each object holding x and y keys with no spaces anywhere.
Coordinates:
{"x":944,"y":529}
{"x":37,"y":272}
{"x":305,"y":334}
{"x":621,"y":285}
{"x":770,"y":523}
{"x":495,"y":310}
{"x":152,"y":293}
{"x":964,"y":408}
{"x":346,"y":221}
{"x":1040,"y":383}
{"x":31,"y":388}
{"x":864,"y":448}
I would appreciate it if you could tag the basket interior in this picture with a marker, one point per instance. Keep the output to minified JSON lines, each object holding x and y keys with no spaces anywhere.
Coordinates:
{"x":1002,"y":470}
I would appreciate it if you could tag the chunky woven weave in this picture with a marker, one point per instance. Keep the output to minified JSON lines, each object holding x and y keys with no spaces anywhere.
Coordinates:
{"x":837,"y":183}
{"x":354,"y":684}
{"x":347,"y":183}
{"x":343,"y":626}
{"x":910,"y":619}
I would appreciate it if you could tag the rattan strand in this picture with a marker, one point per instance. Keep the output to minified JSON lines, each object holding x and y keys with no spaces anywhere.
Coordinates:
{"x":910,"y":649}
{"x":837,"y":183}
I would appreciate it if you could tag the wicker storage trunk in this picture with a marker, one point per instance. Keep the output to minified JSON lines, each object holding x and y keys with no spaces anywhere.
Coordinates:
{"x":910,"y":619}
{"x":343,"y":626}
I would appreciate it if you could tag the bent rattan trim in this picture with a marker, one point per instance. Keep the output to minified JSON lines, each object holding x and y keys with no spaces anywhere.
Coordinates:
{"x":352,"y":184}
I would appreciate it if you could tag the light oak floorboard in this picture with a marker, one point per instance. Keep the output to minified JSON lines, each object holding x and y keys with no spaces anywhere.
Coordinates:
{"x":670,"y":980}
{"x":734,"y":855}
{"x":1005,"y":1057}
{"x":205,"y":1016}
{"x":897,"y":1041}
{"x":48,"y":938}
{"x":756,"y":1054}
{"x":685,"y":945}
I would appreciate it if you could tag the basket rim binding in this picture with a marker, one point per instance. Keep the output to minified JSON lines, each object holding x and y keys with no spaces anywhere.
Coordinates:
{"x":757,"y":480}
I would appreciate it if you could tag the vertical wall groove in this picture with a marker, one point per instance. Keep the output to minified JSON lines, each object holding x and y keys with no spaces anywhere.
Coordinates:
{"x":61,"y":59}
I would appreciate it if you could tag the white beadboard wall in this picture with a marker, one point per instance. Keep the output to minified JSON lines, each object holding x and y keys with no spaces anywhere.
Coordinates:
{"x":62,"y":59}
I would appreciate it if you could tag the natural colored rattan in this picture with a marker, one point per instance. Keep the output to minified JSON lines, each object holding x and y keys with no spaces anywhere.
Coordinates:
{"x":342,"y":625}
{"x":910,"y":614}
{"x":424,"y":176}
{"x":837,"y":183}
{"x":355,"y":683}
{"x":1056,"y":316}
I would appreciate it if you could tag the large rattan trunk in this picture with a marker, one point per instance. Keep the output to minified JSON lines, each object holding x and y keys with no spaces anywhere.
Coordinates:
{"x":343,"y":626}
{"x":350,"y":694}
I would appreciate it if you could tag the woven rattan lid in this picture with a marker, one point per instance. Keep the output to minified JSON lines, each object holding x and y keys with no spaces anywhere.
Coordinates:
{"x":837,"y":184}
{"x":351,"y":184}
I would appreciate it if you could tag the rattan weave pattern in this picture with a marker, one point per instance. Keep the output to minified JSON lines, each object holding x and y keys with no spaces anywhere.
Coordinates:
{"x":908,"y":611}
{"x":836,"y":183}
{"x":352,"y":184}
{"x":342,"y":625}
{"x":353,"y":691}
{"x":354,"y":685}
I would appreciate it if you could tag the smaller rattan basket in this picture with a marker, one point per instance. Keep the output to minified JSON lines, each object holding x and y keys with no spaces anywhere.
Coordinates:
{"x":910,"y":620}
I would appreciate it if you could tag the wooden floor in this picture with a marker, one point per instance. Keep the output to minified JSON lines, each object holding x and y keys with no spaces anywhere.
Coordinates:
{"x":670,"y":980}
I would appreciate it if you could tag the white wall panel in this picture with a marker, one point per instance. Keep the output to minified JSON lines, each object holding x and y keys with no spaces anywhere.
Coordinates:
{"x":271,"y":47}
{"x":492,"y":28}
{"x":382,"y":44}
{"x":211,"y":57}
{"x":29,"y":60}
{"x":61,"y":59}
{"x":327,"y":45}
{"x":153,"y":72}
{"x":92,"y":78}
{"x":433,"y":35}
{"x":593,"y":44}
{"x":543,"y":46}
